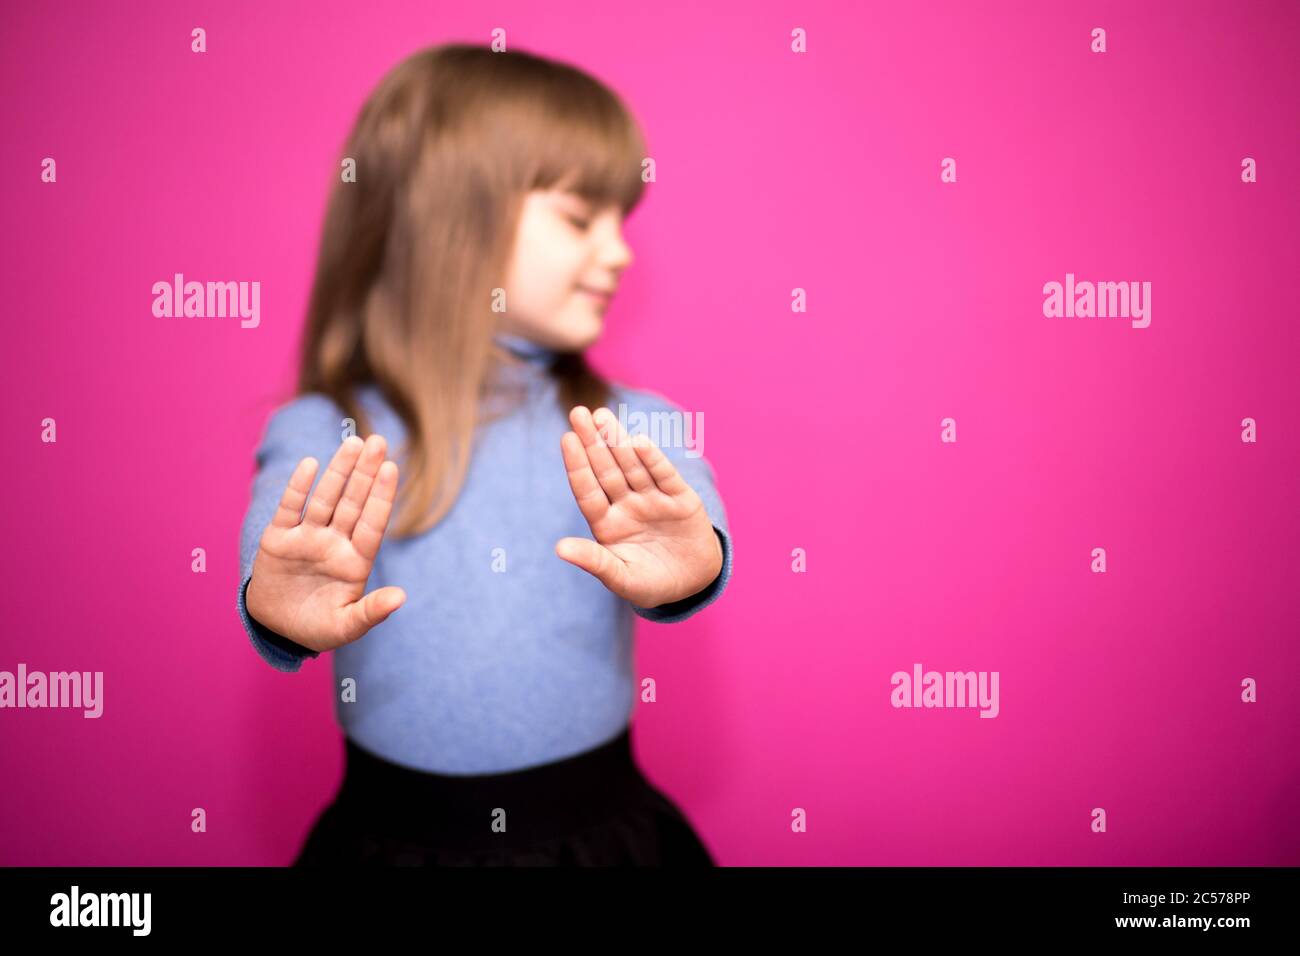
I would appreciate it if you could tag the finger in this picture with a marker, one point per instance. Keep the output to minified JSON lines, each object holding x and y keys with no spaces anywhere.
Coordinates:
{"x":620,"y":443}
{"x":372,"y":609}
{"x":666,"y":476}
{"x":369,"y":532}
{"x":321,"y":505}
{"x":586,"y":489}
{"x":358,"y":486}
{"x":289,"y":512}
{"x":595,"y":559}
{"x":606,"y":469}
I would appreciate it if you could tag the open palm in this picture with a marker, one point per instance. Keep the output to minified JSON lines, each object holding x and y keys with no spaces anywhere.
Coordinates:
{"x":654,"y":541}
{"x":310,"y":572}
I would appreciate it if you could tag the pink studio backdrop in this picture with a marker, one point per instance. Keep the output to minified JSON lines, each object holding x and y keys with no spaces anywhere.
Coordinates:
{"x":776,"y":171}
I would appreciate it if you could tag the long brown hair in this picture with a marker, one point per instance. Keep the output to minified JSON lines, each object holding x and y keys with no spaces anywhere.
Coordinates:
{"x":445,"y":148}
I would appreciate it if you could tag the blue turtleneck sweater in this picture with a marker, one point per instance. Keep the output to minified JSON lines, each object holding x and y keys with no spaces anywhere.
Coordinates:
{"x":504,"y":655}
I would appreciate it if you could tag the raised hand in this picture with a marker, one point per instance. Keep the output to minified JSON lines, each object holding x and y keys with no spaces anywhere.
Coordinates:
{"x":309,"y":576}
{"x":654,"y":542}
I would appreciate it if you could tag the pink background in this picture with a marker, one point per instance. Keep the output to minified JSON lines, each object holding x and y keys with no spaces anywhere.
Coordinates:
{"x":775,"y":171}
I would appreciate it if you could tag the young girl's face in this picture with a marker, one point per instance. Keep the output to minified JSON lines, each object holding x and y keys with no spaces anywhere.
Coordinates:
{"x":565,"y":253}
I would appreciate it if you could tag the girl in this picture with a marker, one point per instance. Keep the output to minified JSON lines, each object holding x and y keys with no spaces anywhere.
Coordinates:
{"x":486,"y":680}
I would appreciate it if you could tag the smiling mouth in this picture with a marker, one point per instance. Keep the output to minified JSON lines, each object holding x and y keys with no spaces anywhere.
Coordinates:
{"x":597,"y":294}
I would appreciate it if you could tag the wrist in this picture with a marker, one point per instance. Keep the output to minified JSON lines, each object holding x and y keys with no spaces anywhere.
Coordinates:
{"x":708,"y":581}
{"x":250,"y":599}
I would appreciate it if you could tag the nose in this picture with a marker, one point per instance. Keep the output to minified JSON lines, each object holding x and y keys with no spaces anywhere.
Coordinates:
{"x":615,"y":253}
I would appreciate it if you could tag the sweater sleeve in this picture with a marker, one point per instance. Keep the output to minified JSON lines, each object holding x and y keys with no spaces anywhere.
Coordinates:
{"x":699,"y":474}
{"x":310,"y":425}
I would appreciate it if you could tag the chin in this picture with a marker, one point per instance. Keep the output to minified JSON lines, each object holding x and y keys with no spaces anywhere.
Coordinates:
{"x":583,"y":335}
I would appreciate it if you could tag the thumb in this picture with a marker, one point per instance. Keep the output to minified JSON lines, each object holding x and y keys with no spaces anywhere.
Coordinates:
{"x":595,"y":559}
{"x":374,"y":609}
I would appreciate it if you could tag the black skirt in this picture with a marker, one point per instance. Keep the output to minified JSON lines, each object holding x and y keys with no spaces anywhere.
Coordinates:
{"x":592,"y":809}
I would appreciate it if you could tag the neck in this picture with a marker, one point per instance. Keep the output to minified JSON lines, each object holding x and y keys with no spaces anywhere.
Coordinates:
{"x":534,"y":353}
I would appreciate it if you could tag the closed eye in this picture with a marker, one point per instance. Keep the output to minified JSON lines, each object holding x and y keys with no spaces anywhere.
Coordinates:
{"x":582,"y":224}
